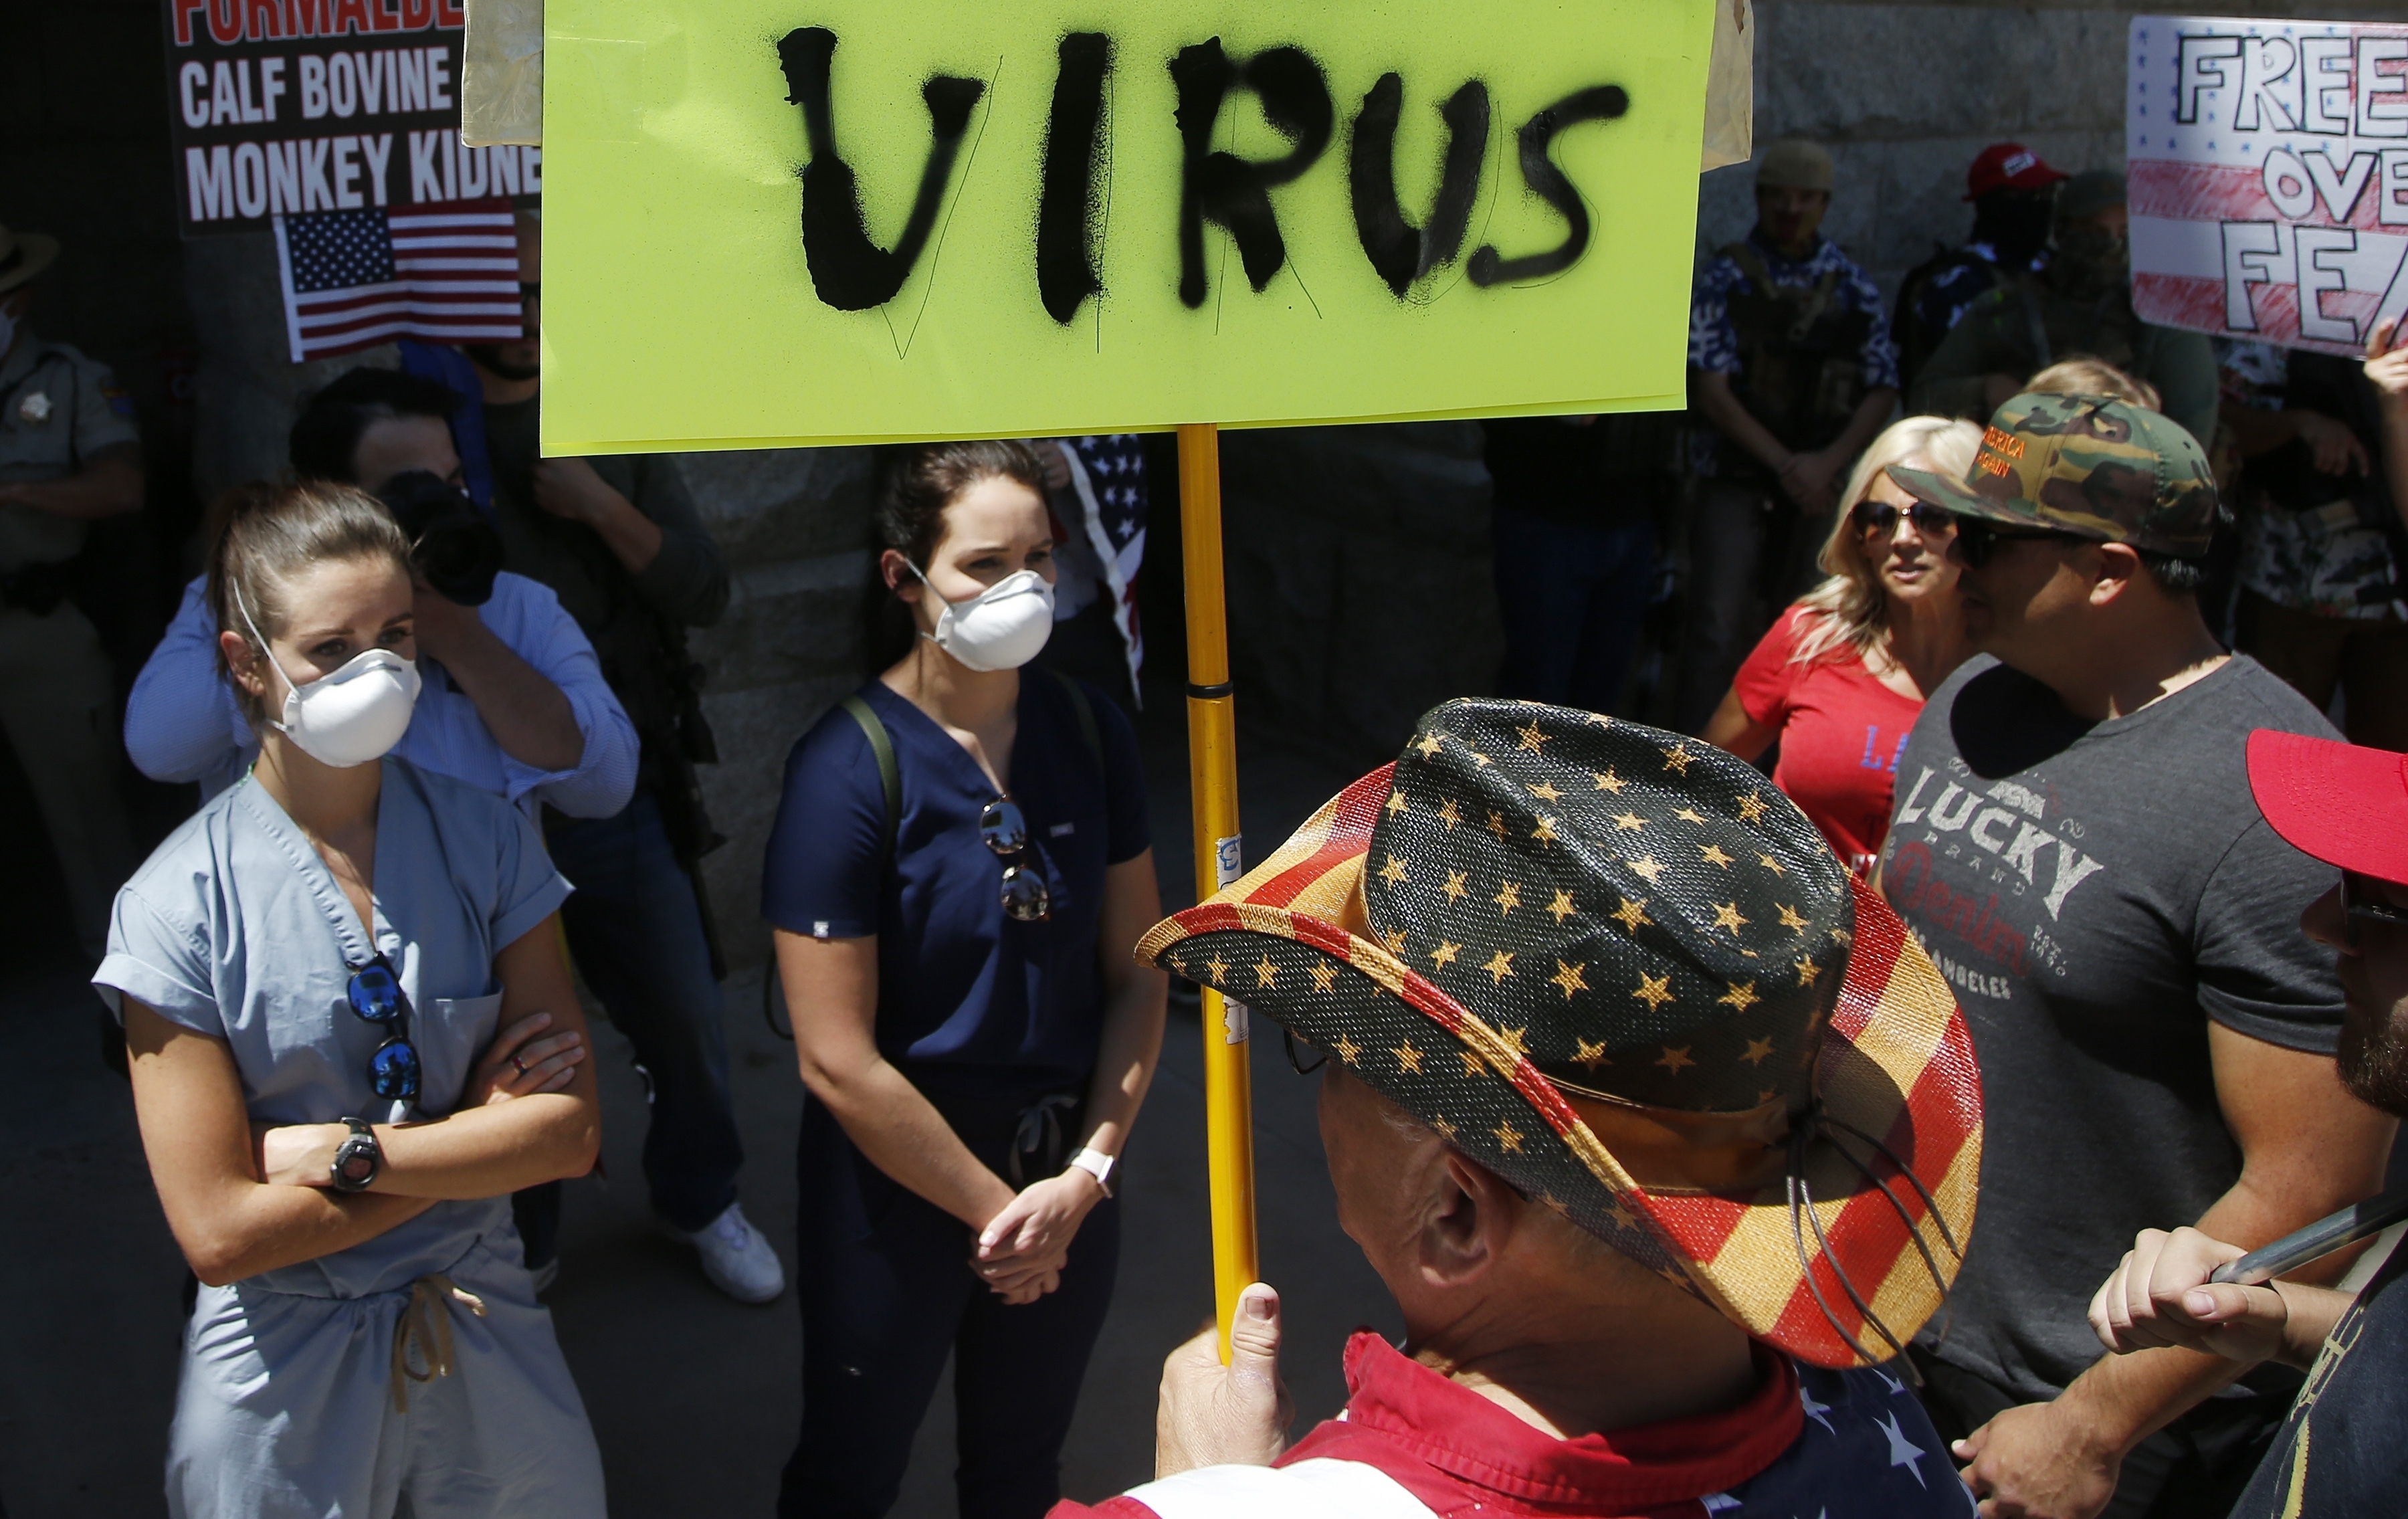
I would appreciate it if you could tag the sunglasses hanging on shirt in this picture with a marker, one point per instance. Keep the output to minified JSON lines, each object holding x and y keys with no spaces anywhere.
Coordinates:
{"x":1004,"y":831}
{"x":375,"y":996}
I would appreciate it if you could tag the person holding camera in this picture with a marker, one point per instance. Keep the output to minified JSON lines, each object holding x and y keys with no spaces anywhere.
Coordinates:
{"x":352,"y":1035}
{"x":619,"y":540}
{"x":514,"y":700}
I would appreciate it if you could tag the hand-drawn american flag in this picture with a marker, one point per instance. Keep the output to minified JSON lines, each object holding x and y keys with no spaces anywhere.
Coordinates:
{"x":353,"y":280}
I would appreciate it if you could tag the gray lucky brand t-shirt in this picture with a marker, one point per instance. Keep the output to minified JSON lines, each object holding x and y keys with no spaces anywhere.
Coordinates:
{"x":2095,"y":893}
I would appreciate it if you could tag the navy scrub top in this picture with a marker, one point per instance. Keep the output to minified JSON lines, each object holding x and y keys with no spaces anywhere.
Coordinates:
{"x":970,"y":1003}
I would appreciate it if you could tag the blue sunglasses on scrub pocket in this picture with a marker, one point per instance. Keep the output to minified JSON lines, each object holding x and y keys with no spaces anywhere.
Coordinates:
{"x":375,"y":996}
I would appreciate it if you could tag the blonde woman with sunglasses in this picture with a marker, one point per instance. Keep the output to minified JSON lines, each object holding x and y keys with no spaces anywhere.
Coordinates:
{"x":1839,"y":679}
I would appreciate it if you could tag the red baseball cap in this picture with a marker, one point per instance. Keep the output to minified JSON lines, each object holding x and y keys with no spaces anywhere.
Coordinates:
{"x":2343,"y":804}
{"x":2009,"y":166}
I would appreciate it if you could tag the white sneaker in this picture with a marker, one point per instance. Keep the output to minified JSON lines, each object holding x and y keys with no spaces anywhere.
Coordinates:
{"x":737,"y":1258}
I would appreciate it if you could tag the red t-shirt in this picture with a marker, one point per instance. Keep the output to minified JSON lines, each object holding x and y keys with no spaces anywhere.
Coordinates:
{"x":1840,"y":730}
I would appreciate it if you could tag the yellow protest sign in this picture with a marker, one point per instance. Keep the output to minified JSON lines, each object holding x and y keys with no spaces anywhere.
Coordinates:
{"x":851,"y":220}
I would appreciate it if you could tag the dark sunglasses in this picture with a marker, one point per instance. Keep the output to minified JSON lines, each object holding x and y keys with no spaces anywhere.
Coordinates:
{"x":1978,"y":539}
{"x":1880,"y":518}
{"x":1003,"y":830}
{"x":2357,"y":907}
{"x":376,"y":996}
{"x":1321,"y":1059}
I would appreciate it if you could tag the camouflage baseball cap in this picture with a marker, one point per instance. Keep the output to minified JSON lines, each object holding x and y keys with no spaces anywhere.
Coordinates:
{"x":2086,"y":465}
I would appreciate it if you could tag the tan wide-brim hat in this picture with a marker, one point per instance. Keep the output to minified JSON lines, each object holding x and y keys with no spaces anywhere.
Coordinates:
{"x":23,"y":255}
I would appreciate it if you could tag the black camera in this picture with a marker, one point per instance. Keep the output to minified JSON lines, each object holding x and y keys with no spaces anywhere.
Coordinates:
{"x":452,"y":544}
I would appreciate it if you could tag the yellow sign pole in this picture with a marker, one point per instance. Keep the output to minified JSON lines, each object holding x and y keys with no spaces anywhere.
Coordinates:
{"x":1212,"y":781}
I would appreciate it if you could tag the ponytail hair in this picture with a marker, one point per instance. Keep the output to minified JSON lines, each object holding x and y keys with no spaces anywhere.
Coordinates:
{"x":261,"y":535}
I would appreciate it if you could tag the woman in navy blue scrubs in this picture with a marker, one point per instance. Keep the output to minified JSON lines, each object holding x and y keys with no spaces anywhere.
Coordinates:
{"x":973,"y":1033}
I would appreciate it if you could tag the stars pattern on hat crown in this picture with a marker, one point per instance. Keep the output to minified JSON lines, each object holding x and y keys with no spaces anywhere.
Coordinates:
{"x":1676,"y":960}
{"x":1640,"y":904}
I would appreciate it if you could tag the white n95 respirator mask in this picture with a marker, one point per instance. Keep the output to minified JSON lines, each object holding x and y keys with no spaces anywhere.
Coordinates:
{"x":348,"y":716}
{"x":1002,"y":628}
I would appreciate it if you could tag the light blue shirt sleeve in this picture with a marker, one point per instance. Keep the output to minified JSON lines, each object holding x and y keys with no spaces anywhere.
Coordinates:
{"x":531,"y":889}
{"x":528,"y":617}
{"x":182,"y":721}
{"x":160,"y":963}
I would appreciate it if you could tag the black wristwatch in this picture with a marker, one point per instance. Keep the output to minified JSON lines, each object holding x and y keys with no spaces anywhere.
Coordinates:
{"x":357,"y":1159}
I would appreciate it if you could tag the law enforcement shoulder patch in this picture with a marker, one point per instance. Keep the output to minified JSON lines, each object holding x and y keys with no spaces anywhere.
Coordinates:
{"x":119,"y":399}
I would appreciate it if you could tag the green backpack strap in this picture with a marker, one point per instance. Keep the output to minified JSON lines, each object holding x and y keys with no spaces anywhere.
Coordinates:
{"x":1087,"y":710}
{"x":890,"y":775}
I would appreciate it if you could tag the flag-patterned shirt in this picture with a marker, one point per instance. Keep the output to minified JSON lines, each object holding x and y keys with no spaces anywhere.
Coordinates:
{"x":1808,"y":1442}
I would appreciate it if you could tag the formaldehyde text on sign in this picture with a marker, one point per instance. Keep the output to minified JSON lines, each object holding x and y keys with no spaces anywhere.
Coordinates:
{"x":297,"y":106}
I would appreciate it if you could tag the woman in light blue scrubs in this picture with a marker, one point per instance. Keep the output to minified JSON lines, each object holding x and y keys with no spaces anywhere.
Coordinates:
{"x":352,"y":1036}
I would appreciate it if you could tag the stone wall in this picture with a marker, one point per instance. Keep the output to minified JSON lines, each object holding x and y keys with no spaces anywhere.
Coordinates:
{"x":1906,"y":95}
{"x":794,"y":524}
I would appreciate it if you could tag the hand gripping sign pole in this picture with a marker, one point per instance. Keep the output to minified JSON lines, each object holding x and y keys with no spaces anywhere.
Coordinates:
{"x":1213,"y":781}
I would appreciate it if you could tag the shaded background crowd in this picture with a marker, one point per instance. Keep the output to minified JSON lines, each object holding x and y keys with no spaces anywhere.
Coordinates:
{"x":1630,"y":565}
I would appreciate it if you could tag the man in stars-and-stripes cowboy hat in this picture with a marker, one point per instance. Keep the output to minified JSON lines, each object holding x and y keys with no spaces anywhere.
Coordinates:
{"x":1660,"y":1129}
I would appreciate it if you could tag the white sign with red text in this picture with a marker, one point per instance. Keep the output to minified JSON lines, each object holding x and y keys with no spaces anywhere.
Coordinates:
{"x":2268,"y":176}
{"x":280,"y":107}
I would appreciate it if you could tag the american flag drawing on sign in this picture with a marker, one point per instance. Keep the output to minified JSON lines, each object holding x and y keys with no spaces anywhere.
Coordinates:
{"x":353,"y":280}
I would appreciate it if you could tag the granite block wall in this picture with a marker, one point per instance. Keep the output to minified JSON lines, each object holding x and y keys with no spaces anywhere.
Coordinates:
{"x":1905,"y":95}
{"x":794,"y":524}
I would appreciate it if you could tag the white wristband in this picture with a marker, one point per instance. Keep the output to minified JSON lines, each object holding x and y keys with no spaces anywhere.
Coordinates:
{"x":1097,"y":1165}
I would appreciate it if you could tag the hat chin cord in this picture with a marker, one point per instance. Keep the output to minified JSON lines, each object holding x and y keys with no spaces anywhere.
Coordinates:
{"x":1803,"y":1215}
